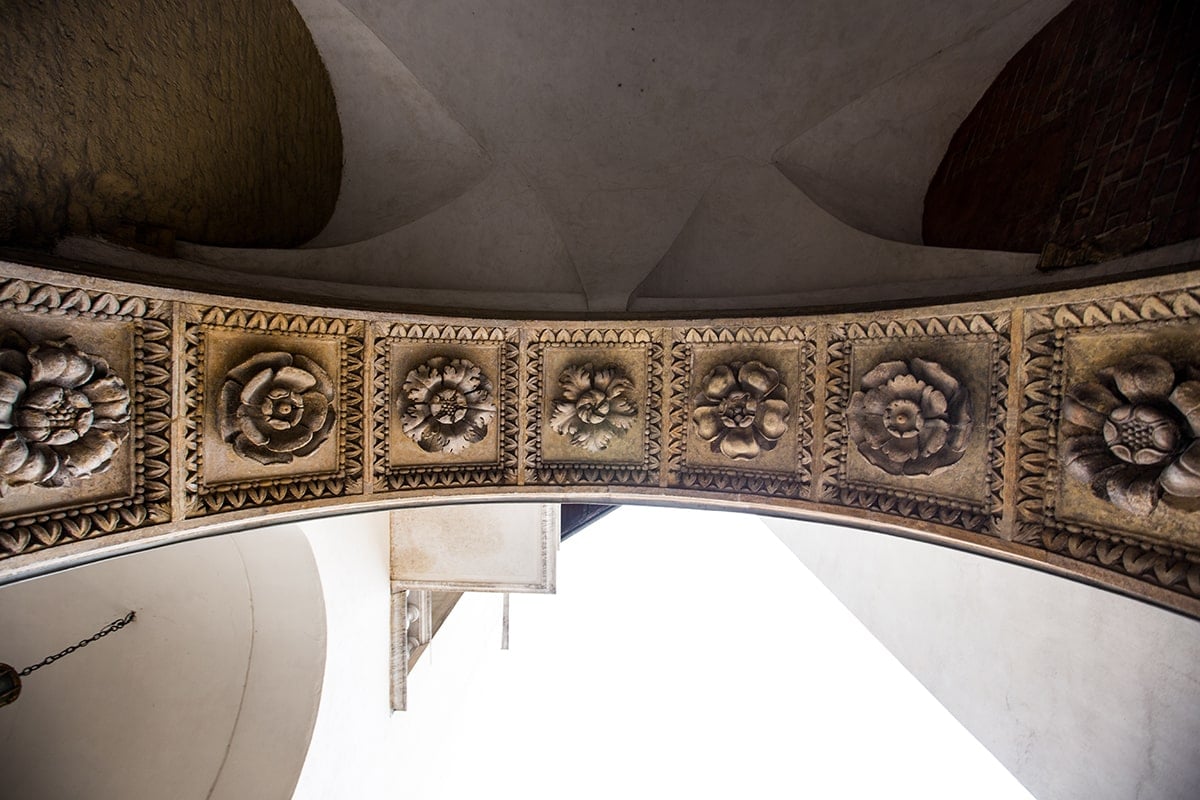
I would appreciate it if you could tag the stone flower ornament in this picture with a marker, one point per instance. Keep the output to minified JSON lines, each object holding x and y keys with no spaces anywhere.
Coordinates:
{"x":63,"y":413}
{"x":742,"y":409}
{"x":1134,"y":435}
{"x":594,"y":405}
{"x":911,"y":417}
{"x":447,"y":405}
{"x":275,"y":407}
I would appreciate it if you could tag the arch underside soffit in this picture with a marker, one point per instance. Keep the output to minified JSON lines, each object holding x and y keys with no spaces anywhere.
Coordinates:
{"x":1058,"y":430}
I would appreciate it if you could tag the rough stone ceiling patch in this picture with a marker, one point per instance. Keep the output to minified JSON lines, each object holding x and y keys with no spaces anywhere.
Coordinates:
{"x":214,"y":120}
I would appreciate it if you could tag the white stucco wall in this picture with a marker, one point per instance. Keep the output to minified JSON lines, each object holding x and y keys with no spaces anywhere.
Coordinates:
{"x":210,"y":693}
{"x":1081,"y":693}
{"x":360,"y":748}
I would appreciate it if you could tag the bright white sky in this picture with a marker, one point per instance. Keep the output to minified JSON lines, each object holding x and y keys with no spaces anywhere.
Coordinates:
{"x":685,"y":655}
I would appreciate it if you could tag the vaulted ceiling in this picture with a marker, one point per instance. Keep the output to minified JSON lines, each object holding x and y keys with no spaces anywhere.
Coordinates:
{"x":588,"y":158}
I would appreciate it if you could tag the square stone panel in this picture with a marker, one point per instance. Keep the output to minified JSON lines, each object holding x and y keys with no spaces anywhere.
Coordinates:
{"x":626,"y":448}
{"x":405,"y":355}
{"x":969,"y":360}
{"x":113,"y":341}
{"x":784,"y":358}
{"x":225,"y":349}
{"x":1173,"y":522}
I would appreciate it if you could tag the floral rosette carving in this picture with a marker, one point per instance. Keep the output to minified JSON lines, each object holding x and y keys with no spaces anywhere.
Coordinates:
{"x":1134,"y":434}
{"x":910,"y":417}
{"x":275,"y":407}
{"x":594,"y":406}
{"x":742,"y":409}
{"x":447,"y":405}
{"x":63,"y":413}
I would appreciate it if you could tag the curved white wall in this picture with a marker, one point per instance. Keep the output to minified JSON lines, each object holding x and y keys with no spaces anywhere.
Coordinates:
{"x":1081,"y":693}
{"x":210,"y":693}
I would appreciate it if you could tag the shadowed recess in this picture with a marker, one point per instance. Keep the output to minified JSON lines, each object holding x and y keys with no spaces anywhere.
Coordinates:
{"x":214,"y":121}
{"x":1087,"y":146}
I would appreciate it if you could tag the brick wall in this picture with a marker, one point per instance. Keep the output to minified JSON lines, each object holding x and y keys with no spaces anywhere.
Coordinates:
{"x":1087,"y":145}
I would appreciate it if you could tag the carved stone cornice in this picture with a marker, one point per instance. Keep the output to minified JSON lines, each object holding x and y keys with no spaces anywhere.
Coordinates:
{"x":943,"y":423}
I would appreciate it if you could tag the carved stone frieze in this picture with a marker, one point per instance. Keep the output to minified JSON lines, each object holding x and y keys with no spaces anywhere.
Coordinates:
{"x":910,"y":417}
{"x":1133,"y":434}
{"x":445,"y":406}
{"x":1108,"y":436}
{"x":85,"y":411}
{"x":902,"y":435}
{"x":274,"y":408}
{"x":1096,"y":475}
{"x":63,"y":413}
{"x":741,"y":410}
{"x":593,"y":405}
{"x":573,"y":443}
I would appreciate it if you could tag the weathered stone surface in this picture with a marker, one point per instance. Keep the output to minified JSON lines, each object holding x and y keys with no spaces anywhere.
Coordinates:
{"x":213,"y":120}
{"x":1061,"y":427}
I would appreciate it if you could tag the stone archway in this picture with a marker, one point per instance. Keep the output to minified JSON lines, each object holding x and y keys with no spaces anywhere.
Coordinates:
{"x":138,"y":416}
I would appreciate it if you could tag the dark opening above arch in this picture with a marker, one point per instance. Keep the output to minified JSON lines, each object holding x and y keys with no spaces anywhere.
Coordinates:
{"x":1085,"y":147}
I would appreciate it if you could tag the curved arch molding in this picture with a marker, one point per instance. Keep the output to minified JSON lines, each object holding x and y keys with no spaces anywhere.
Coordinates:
{"x":1056,"y":430}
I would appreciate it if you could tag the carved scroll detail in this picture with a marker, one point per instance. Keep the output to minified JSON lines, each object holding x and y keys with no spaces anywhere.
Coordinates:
{"x":741,"y":409}
{"x":1042,"y":421}
{"x":446,"y":405}
{"x":743,"y":475}
{"x":910,"y":418}
{"x":63,"y":413}
{"x":276,"y":406}
{"x":148,"y":416}
{"x":390,"y":340}
{"x":909,"y":501}
{"x":540,"y":470}
{"x":593,"y":406}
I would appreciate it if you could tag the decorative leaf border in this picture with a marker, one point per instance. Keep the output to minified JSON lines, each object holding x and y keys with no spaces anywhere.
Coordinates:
{"x":203,"y":499}
{"x":538,"y":471}
{"x":794,"y":484}
{"x":149,"y":503}
{"x":1046,"y":332}
{"x":837,"y":488}
{"x":387,"y":477}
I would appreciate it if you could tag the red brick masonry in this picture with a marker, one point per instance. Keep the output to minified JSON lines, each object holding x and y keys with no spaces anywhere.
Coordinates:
{"x":1085,"y":147}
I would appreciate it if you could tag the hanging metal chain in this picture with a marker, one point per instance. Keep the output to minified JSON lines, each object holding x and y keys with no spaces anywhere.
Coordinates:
{"x":115,"y":625}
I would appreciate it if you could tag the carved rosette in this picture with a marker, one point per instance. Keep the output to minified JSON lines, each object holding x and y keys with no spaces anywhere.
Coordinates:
{"x":742,"y":409}
{"x":594,"y":405}
{"x":447,"y":405}
{"x":910,"y":417}
{"x":63,"y":413}
{"x":1134,"y":434}
{"x":276,"y":406}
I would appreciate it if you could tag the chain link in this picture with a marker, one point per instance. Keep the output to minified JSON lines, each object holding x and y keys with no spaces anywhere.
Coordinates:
{"x":115,"y":625}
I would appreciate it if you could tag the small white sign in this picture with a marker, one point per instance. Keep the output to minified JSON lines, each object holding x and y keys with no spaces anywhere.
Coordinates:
{"x":489,"y":547}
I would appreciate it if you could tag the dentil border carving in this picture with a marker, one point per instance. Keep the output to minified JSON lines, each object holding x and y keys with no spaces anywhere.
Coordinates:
{"x":1047,"y":332}
{"x":148,"y":413}
{"x":538,"y":470}
{"x":912,"y":335}
{"x":208,"y":494}
{"x":743,"y":475}
{"x":388,"y":341}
